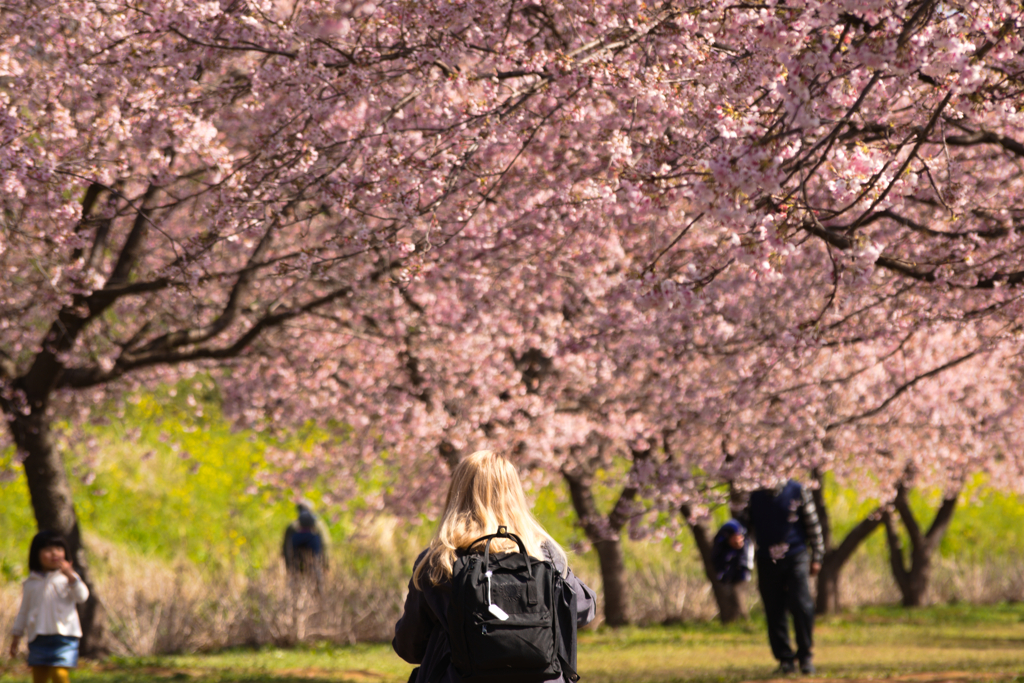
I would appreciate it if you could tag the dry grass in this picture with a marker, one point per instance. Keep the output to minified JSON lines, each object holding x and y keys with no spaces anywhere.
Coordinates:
{"x":671,"y":590}
{"x":1001,"y":579}
{"x":10,"y":599}
{"x":156,"y":608}
{"x":867,"y":581}
{"x":165,"y":610}
{"x":670,"y":587}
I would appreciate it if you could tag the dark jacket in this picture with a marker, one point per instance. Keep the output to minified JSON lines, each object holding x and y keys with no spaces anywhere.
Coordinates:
{"x":732,"y":565}
{"x":421,"y":634}
{"x":784,"y":522}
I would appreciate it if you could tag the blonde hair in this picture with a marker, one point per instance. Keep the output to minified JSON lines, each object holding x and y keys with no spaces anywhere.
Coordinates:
{"x":485,"y":492}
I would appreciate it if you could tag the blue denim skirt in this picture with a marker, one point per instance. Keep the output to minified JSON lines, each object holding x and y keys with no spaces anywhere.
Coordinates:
{"x":53,"y":650}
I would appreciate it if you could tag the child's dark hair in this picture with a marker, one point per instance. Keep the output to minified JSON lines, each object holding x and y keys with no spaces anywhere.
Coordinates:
{"x":44,"y":539}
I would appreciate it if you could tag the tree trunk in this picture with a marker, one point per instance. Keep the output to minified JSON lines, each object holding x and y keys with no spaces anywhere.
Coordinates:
{"x":730,"y":600}
{"x":52,"y":504}
{"x":603,"y":532}
{"x":913,"y":581}
{"x":827,"y":598}
{"x":729,"y":597}
{"x":608,"y":545}
{"x":613,"y":579}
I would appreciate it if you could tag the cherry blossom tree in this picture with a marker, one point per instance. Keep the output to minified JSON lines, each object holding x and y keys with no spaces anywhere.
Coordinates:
{"x":384,"y":214}
{"x":751,"y":154}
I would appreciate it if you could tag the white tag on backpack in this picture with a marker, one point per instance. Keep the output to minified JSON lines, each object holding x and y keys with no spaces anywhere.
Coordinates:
{"x":497,"y":611}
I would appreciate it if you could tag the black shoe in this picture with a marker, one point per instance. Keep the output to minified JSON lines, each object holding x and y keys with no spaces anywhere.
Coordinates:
{"x":807,"y":666}
{"x":786,"y":667}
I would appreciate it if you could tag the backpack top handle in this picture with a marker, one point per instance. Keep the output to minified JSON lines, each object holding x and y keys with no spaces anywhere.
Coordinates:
{"x":503,"y":532}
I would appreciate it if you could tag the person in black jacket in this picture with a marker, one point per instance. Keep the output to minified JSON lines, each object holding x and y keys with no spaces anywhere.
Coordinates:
{"x":784,"y":523}
{"x":485,"y":492}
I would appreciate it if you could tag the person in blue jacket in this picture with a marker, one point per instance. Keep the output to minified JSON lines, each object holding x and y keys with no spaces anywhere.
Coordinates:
{"x":305,"y":546}
{"x":790,"y":547}
{"x":732,"y":553}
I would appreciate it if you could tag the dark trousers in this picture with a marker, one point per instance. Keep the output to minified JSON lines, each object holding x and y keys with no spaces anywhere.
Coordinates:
{"x":784,"y":590}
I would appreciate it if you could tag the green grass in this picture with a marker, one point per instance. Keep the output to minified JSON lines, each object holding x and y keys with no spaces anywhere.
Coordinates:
{"x":974,"y":643}
{"x":876,"y":643}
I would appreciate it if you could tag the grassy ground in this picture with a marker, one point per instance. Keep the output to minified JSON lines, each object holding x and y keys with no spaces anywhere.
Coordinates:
{"x":952,"y":643}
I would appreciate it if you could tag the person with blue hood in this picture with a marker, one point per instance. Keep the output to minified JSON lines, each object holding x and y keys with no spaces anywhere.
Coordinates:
{"x":732,"y":553}
{"x":305,"y":545}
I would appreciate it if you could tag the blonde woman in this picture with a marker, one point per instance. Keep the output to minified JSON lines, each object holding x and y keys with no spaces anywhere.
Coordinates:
{"x":485,"y":493}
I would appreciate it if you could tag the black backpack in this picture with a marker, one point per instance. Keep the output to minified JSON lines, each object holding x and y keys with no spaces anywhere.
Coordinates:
{"x":512,"y":617}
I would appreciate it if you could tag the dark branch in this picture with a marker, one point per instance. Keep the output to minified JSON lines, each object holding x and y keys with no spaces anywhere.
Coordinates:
{"x":856,"y":536}
{"x":621,"y":513}
{"x":82,"y":377}
{"x":44,"y":373}
{"x":892,"y":536}
{"x":942,"y":518}
{"x":907,"y":515}
{"x":901,"y":389}
{"x":229,"y":313}
{"x":985,"y":137}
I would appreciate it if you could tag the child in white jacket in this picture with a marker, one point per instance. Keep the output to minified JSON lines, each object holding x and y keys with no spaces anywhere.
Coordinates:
{"x":48,"y":619}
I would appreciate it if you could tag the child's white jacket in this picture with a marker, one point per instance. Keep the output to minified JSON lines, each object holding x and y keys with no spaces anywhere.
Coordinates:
{"x":48,"y":606}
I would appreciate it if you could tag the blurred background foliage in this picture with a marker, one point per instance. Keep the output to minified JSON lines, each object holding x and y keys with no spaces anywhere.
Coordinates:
{"x":166,"y":476}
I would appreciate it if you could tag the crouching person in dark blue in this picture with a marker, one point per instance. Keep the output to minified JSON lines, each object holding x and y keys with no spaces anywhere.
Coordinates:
{"x":732,"y":553}
{"x":790,"y":547}
{"x":483,"y":606}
